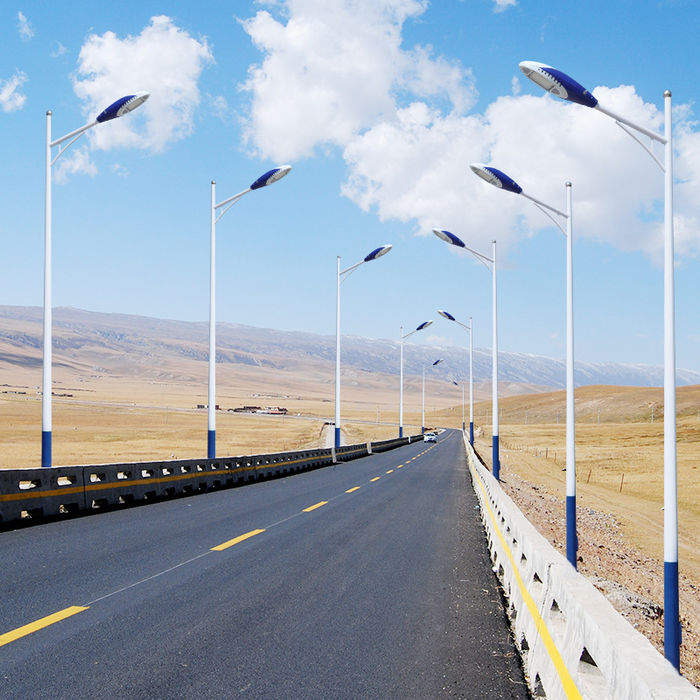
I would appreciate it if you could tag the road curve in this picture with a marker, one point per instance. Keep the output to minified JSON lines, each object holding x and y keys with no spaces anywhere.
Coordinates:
{"x":370,"y":579}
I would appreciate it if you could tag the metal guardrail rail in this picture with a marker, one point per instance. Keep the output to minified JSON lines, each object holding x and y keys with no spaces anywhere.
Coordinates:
{"x":30,"y":495}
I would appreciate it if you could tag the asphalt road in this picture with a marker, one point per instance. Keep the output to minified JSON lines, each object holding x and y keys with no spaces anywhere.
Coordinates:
{"x":370,"y":579}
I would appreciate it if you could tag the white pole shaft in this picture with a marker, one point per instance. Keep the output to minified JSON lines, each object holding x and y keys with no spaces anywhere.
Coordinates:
{"x":670,"y":487}
{"x":494,"y":378}
{"x":422,"y":408}
{"x":211,"y":404}
{"x":47,"y":350}
{"x":570,"y":418}
{"x":471,"y":375}
{"x":401,"y":383}
{"x":337,"y":355}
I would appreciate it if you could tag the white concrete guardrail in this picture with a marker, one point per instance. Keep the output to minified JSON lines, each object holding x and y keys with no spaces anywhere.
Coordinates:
{"x":573,"y":642}
{"x":30,"y":495}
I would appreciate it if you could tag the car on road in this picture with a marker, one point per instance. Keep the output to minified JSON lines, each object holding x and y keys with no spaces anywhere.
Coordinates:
{"x":430,"y":437}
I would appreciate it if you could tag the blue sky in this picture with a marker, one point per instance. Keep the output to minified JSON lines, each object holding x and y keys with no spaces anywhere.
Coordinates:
{"x":379,"y":106}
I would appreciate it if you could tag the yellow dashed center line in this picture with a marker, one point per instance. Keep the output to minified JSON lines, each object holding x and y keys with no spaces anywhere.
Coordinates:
{"x":316,"y":505}
{"x":39,"y":624}
{"x":390,"y":471}
{"x":376,"y":478}
{"x":236,"y":540}
{"x":354,"y":488}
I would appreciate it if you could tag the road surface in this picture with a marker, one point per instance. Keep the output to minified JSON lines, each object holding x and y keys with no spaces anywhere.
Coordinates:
{"x":369,"y":579}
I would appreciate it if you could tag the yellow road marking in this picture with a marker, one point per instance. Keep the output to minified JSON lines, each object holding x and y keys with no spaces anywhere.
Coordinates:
{"x":316,"y":505}
{"x":390,"y":471}
{"x":399,"y":467}
{"x":376,"y":478}
{"x":354,"y":488}
{"x":567,"y":681}
{"x":235,"y":540}
{"x":39,"y":624}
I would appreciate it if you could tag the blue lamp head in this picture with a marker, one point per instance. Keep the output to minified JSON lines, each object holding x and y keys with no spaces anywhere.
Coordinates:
{"x":558,"y":83}
{"x":496,"y":177}
{"x":437,"y":362}
{"x":122,"y":106}
{"x":447,"y":315}
{"x":423,"y":325}
{"x":378,"y":252}
{"x":448,"y":237}
{"x":270,"y":177}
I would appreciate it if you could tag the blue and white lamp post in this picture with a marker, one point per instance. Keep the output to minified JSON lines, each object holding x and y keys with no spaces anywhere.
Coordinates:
{"x":119,"y":108}
{"x":422,"y":410}
{"x":469,"y":328}
{"x":341,"y":275}
{"x":562,"y":85}
{"x":490,"y":263}
{"x":403,"y":337}
{"x":499,"y":179}
{"x":268,"y":178}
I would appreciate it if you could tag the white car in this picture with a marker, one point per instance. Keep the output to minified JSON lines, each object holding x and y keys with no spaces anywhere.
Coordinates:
{"x":430,"y":437}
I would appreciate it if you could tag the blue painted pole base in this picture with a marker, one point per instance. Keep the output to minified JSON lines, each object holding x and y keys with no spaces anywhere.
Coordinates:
{"x":211,"y":444}
{"x":401,"y":431}
{"x":45,"y":448}
{"x":672,"y":625}
{"x":337,"y":437}
{"x":571,"y":539}
{"x":422,"y":430}
{"x":496,"y":459}
{"x":471,"y":433}
{"x":464,"y":427}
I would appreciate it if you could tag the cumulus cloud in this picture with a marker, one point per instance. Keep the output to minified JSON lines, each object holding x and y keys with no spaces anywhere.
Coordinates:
{"x":25,"y":29}
{"x":333,"y":68}
{"x":11,"y":99}
{"x":163,"y":60}
{"x":336,"y":75}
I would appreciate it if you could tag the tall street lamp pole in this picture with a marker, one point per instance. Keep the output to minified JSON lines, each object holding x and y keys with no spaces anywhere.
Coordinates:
{"x":489,"y":263}
{"x":422,"y":413}
{"x":469,"y":328}
{"x":342,"y":275}
{"x":562,"y":85}
{"x":403,"y":337}
{"x":119,"y":108}
{"x":499,"y":179}
{"x":268,"y":178}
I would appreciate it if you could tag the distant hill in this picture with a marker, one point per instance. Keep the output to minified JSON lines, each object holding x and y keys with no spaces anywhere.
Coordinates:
{"x":135,"y":346}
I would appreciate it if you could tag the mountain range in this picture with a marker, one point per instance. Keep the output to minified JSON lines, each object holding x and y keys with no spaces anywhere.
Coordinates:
{"x":129,"y":345}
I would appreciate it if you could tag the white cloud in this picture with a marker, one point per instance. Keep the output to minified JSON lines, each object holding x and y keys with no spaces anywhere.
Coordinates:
{"x":333,"y":69}
{"x":339,"y":77}
{"x":25,"y":29}
{"x":163,"y":60}
{"x":503,"y":5}
{"x":11,"y":99}
{"x":74,"y":162}
{"x":60,"y":50}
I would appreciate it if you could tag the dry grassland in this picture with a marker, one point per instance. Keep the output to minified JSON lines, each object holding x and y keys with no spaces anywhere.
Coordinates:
{"x":620,"y":483}
{"x":118,"y":420}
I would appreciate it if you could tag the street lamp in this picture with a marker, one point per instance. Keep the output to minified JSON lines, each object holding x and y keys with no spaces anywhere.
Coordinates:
{"x":469,"y":328}
{"x":268,"y":178}
{"x":119,"y":108}
{"x":376,"y":253}
{"x":403,"y":337}
{"x":499,"y":179}
{"x":562,"y":85}
{"x":422,"y":410}
{"x":490,"y":263}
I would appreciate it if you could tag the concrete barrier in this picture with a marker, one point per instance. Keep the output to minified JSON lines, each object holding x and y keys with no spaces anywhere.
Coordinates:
{"x":32,"y":494}
{"x":574,"y":644}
